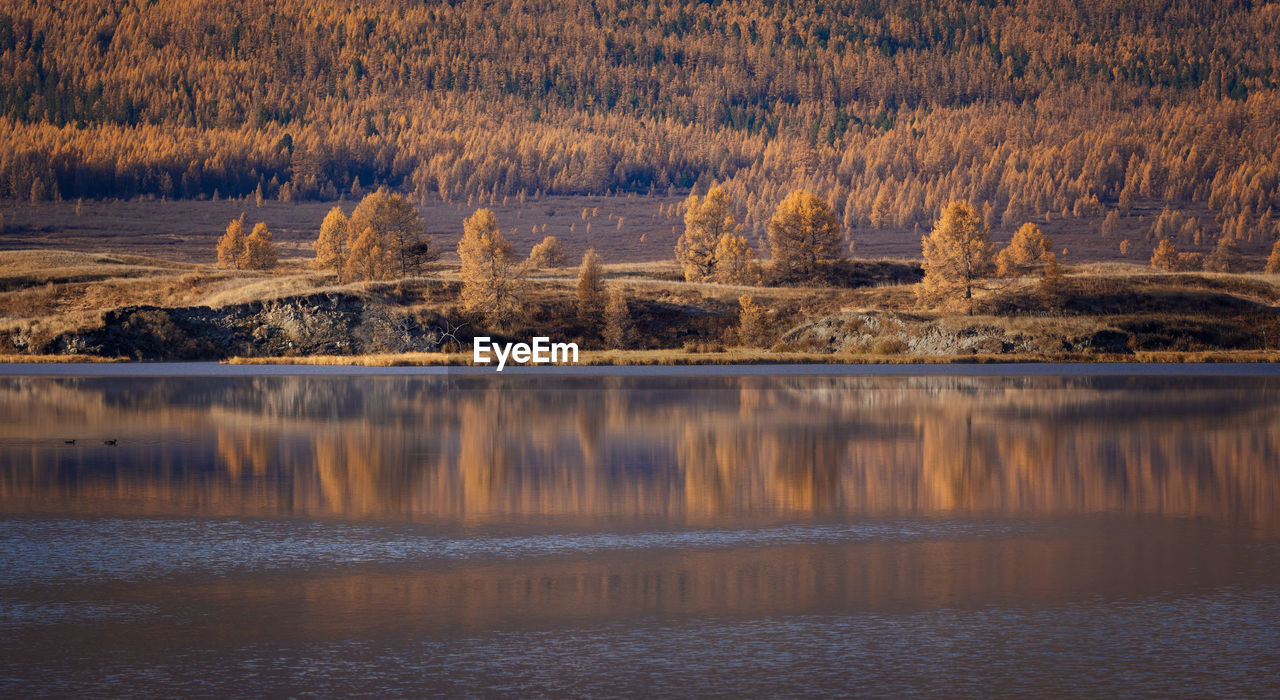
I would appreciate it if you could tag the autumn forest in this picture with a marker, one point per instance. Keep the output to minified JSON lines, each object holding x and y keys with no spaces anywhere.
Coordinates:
{"x":887,"y":109}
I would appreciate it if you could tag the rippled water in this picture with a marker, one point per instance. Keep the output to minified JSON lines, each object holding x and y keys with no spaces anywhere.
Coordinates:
{"x":640,"y":535}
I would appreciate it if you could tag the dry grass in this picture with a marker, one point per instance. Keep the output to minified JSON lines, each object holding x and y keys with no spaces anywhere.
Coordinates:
{"x":56,"y":359}
{"x":746,"y":356}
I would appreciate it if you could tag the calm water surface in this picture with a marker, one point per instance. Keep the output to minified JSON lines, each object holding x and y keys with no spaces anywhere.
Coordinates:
{"x":676,"y":535}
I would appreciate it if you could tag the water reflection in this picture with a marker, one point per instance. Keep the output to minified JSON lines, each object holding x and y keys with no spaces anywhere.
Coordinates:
{"x":678,"y":450}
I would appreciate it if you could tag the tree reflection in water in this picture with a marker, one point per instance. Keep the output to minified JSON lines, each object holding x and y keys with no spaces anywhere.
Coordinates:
{"x":686,"y":451}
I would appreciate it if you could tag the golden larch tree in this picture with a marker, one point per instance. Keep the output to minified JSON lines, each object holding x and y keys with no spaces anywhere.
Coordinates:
{"x":1273,"y":262}
{"x":1165,"y":256}
{"x":617,"y":320}
{"x":260,"y":249}
{"x":752,"y":323}
{"x":231,"y":245}
{"x":957,"y":257}
{"x":547,"y":253}
{"x":802,"y":233}
{"x":366,"y":258}
{"x":399,"y":231}
{"x":1027,"y":252}
{"x":331,"y":245}
{"x":734,"y":260}
{"x":706,"y":220}
{"x":490,"y":271}
{"x":590,"y":288}
{"x":1226,"y":257}
{"x":1053,"y":282}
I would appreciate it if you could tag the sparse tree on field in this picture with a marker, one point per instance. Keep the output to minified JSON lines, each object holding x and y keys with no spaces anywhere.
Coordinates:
{"x":802,"y":233}
{"x":617,"y":320}
{"x":1273,"y":262}
{"x":706,"y":220}
{"x":398,"y":229}
{"x":260,"y":249}
{"x":231,"y":245}
{"x":734,"y":260}
{"x":1125,"y":247}
{"x":490,"y":274}
{"x":1052,"y":285}
{"x":590,"y":288}
{"x":548,"y":253}
{"x":957,"y":257}
{"x":1027,"y":252}
{"x":1225,"y":257}
{"x":752,"y":323}
{"x":1165,"y":256}
{"x":331,"y":246}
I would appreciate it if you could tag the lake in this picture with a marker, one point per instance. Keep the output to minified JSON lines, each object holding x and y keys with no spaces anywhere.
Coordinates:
{"x":692,"y":532}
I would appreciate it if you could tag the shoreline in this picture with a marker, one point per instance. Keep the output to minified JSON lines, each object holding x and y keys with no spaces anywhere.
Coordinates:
{"x":940,"y":368}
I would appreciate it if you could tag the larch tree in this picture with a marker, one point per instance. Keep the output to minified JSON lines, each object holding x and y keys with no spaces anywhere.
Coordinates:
{"x":752,"y":323}
{"x":957,"y":257}
{"x":1027,"y":252}
{"x":399,"y":231}
{"x":1226,"y":257}
{"x":1273,"y":262}
{"x":590,"y":290}
{"x":617,"y":320}
{"x":366,"y":258}
{"x":882,"y":209}
{"x":1052,"y":285}
{"x":1165,"y":256}
{"x":490,"y":271}
{"x":1110,"y":224}
{"x":331,"y":245}
{"x":802,"y":233}
{"x":706,"y":220}
{"x":231,"y":245}
{"x":260,"y":249}
{"x":734,"y":260}
{"x":547,"y":253}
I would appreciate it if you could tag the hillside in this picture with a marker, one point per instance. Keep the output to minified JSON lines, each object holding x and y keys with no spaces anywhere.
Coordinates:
{"x":1071,"y":114}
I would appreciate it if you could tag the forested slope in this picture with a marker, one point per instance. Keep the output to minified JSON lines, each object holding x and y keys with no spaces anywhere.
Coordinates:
{"x":888,"y":108}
